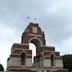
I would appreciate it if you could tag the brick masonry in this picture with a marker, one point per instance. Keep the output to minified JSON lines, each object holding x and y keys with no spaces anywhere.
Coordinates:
{"x":46,"y":59}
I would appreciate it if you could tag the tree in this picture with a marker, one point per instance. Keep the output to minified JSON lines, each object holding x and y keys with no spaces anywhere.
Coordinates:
{"x":1,"y":67}
{"x":67,"y":61}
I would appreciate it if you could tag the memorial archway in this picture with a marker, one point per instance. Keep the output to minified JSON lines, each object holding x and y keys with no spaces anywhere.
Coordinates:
{"x":34,"y":44}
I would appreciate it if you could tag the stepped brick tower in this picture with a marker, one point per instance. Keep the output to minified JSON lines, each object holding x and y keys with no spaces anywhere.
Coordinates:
{"x":46,"y":59}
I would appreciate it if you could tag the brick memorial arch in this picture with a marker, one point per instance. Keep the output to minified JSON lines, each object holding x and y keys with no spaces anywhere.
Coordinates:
{"x":46,"y":59}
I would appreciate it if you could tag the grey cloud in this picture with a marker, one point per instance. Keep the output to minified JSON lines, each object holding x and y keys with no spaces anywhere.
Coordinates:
{"x":14,"y":12}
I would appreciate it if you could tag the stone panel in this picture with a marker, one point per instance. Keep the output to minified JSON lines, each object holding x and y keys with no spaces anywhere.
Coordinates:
{"x":29,"y":62}
{"x":46,"y":63}
{"x":14,"y":62}
{"x":58,"y":63}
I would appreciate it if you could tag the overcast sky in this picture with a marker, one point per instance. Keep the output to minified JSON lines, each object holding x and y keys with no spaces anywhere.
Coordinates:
{"x":53,"y":16}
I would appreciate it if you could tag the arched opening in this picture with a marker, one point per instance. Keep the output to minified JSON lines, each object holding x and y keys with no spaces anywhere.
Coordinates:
{"x":23,"y":58}
{"x":52,"y":60}
{"x":34,"y":45}
{"x":36,"y":41}
{"x":1,"y":68}
{"x":33,"y":48}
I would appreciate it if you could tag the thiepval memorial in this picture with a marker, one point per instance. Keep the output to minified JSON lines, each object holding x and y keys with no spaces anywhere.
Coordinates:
{"x":46,"y":59}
